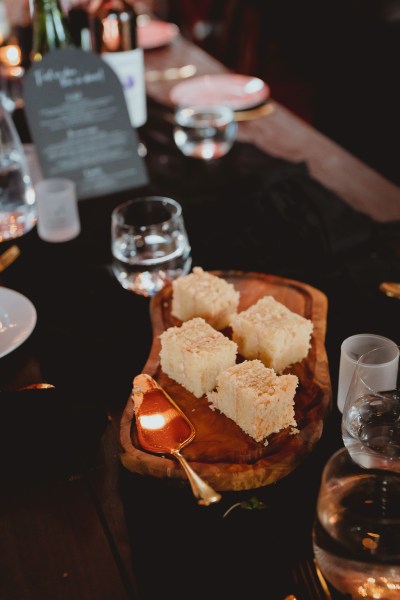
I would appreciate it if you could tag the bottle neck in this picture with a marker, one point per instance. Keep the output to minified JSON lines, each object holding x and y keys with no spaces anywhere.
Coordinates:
{"x":113,"y":27}
{"x":49,"y":28}
{"x":46,"y":5}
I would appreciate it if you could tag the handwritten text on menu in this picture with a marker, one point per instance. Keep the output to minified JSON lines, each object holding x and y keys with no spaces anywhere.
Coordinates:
{"x":80,"y":124}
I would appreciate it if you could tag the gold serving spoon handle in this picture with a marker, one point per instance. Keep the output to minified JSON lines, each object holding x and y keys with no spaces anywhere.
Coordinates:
{"x":163,"y":428}
{"x":205,"y":494}
{"x":390,"y":288}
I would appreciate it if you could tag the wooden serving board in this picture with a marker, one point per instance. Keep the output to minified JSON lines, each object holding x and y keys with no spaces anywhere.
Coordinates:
{"x":221,"y":453}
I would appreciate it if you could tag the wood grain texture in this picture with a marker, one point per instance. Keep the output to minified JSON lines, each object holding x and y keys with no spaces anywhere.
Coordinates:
{"x":221,"y":452}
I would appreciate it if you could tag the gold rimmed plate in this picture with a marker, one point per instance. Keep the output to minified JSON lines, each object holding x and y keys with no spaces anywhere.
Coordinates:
{"x":239,"y":92}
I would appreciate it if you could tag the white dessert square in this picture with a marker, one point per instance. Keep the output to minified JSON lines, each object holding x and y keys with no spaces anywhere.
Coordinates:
{"x":256,"y":398}
{"x":194,"y":353}
{"x":269,"y":331}
{"x":202,"y":294}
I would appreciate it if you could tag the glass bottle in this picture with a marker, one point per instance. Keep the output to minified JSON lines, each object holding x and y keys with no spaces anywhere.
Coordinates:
{"x":49,"y":28}
{"x":114,"y":35}
{"x":78,"y":21}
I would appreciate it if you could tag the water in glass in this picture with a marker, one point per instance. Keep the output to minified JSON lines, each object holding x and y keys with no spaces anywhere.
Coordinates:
{"x":371,"y":415}
{"x":147,"y":255}
{"x":205,"y":132}
{"x":356,"y":535}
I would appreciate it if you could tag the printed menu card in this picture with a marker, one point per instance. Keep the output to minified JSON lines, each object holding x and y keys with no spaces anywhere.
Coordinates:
{"x":79,"y":122}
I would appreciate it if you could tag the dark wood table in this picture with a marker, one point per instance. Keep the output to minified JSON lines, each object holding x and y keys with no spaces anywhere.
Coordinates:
{"x":89,"y":529}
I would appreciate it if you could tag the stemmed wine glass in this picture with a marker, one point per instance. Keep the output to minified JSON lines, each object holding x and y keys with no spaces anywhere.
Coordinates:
{"x":371,"y":414}
{"x":356,"y":535}
{"x":17,"y":197}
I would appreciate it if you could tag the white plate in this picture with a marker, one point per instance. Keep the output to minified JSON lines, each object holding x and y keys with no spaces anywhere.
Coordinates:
{"x":155,"y":34}
{"x":17,"y":320}
{"x":237,"y":91}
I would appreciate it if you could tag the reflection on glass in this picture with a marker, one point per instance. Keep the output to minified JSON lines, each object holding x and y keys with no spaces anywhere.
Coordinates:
{"x":356,"y":533}
{"x":17,"y":197}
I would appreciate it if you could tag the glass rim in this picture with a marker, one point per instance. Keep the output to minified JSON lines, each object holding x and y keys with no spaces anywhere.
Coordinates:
{"x":379,"y":339}
{"x":361,"y":359}
{"x":221,"y":114}
{"x":360,"y":363}
{"x":117,"y":215}
{"x":54,"y":185}
{"x":342,"y":457}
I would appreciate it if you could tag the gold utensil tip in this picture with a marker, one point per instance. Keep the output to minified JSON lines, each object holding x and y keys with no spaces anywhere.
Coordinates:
{"x":37,"y":386}
{"x":8,"y":257}
{"x":390,"y":288}
{"x":308,"y":577}
{"x":171,"y":73}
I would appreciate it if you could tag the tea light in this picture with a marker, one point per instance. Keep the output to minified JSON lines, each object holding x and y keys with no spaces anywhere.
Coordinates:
{"x":10,"y":56}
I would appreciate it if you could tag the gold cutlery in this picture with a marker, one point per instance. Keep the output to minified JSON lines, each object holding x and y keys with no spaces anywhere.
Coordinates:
{"x":37,"y":386}
{"x":170,"y":74}
{"x":254,"y":113}
{"x":390,"y":288}
{"x":164,"y":429}
{"x":8,"y":257}
{"x":308,"y":577}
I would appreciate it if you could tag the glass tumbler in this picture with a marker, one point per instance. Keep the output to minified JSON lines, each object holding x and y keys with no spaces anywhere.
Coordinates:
{"x":149,"y":244}
{"x":205,"y":132}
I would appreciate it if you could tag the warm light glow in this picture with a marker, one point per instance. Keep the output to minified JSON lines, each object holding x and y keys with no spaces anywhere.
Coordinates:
{"x":156,"y":421}
{"x":10,"y":56}
{"x":393,"y":586}
{"x":111,"y":36}
{"x":378,"y":588}
{"x":369,"y":543}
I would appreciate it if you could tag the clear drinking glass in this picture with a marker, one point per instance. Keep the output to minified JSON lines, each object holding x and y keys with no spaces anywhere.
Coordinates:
{"x":149,"y":244}
{"x":17,"y":197}
{"x":57,"y":207}
{"x":205,"y":132}
{"x":350,"y":351}
{"x":356,"y":535}
{"x":371,"y":414}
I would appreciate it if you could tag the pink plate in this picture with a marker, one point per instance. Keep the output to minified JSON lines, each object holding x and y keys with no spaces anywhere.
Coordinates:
{"x":155,"y":34}
{"x":237,"y":91}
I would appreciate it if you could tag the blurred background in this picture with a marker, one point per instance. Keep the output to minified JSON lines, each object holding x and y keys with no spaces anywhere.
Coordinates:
{"x":334,"y":64}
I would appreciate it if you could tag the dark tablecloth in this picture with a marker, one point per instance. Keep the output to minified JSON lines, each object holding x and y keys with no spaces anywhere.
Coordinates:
{"x":246,"y":211}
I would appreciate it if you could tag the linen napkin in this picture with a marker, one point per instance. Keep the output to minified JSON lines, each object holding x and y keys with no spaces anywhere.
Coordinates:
{"x":253,"y":211}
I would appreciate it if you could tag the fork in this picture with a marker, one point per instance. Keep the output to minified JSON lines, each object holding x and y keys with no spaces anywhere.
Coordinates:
{"x":309,"y":579}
